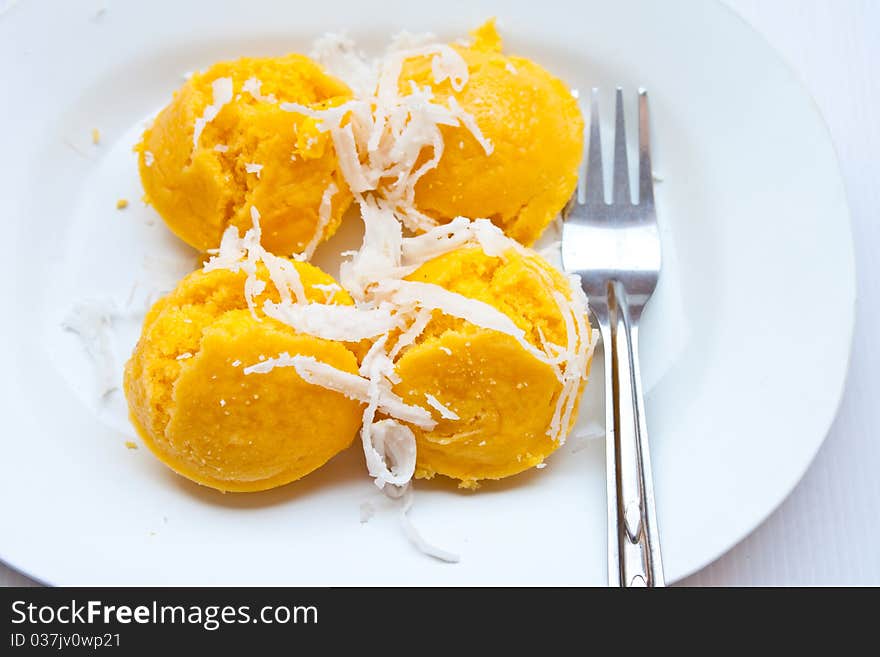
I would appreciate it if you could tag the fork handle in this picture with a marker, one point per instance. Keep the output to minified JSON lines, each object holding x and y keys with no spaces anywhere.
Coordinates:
{"x":637,"y":540}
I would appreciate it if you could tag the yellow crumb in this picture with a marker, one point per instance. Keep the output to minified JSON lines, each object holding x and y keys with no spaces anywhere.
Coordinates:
{"x":130,"y":444}
{"x":96,"y":136}
{"x":121,"y":204}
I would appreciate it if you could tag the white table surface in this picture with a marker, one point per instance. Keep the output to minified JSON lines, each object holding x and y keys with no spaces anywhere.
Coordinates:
{"x":827,"y":531}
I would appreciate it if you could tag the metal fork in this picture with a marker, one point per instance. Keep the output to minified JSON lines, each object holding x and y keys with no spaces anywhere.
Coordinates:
{"x":616,"y":250}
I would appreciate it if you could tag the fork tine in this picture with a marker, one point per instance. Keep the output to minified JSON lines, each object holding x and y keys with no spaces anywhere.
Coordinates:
{"x":595,"y":192}
{"x":621,"y":165}
{"x":646,"y":175}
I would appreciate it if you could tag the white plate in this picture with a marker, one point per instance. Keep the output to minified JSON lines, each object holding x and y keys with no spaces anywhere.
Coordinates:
{"x":745,"y":347}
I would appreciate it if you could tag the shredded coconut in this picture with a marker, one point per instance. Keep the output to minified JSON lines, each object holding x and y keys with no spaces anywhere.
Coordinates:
{"x":92,"y":322}
{"x":338,"y":54}
{"x":445,"y":412}
{"x":325,"y":211}
{"x":584,"y":437}
{"x":222,"y":90}
{"x":245,"y":253}
{"x":410,"y":335}
{"x":578,"y":351}
{"x":479,"y":313}
{"x":415,"y":536}
{"x":390,"y":450}
{"x":380,"y":136}
{"x":252,"y":86}
{"x":329,"y":290}
{"x":344,"y":323}
{"x":351,"y":385}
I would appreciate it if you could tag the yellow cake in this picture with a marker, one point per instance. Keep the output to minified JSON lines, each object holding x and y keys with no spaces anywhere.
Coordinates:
{"x":224,"y":144}
{"x":536,"y":129}
{"x":206,"y":419}
{"x":504,"y":398}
